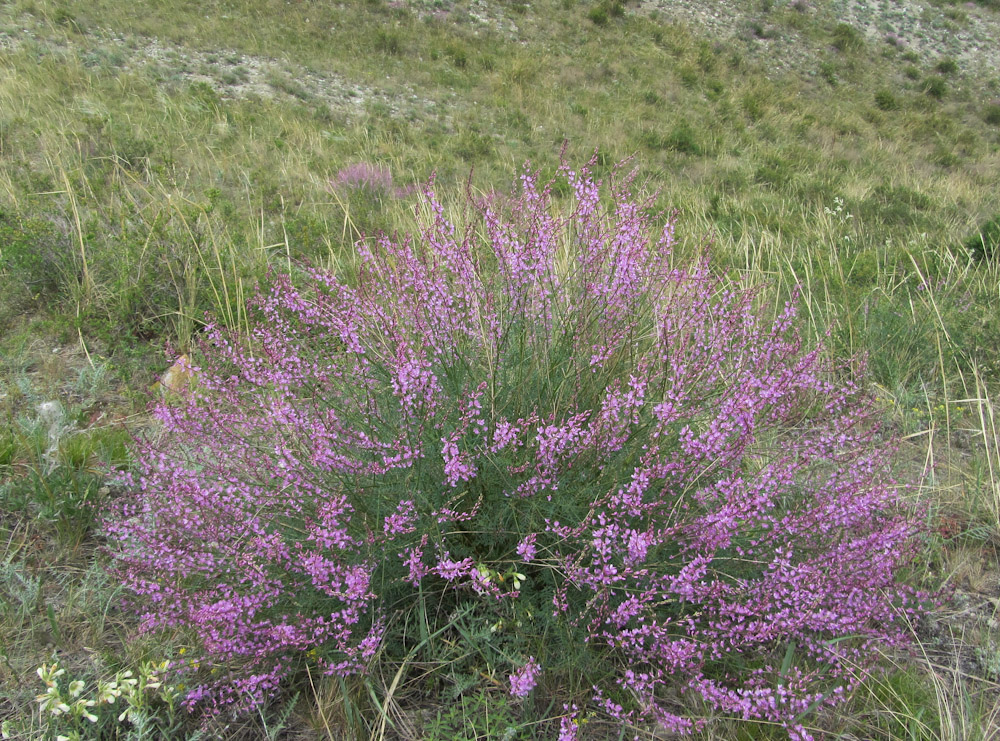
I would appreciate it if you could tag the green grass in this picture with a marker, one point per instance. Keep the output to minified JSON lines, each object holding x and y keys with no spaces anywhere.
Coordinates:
{"x":154,"y":166}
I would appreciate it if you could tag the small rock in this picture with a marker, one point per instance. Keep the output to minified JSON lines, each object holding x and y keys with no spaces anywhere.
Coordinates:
{"x":178,"y":376}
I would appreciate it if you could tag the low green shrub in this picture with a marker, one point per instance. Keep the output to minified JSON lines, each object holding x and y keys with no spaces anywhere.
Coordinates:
{"x":885,"y":100}
{"x":605,"y":10}
{"x":946,"y":66}
{"x":35,"y":255}
{"x":846,"y":38}
{"x":935,"y":86}
{"x":984,"y":243}
{"x":991,"y":114}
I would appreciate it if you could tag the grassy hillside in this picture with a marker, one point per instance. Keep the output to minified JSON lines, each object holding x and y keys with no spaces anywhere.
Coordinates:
{"x":154,"y":165}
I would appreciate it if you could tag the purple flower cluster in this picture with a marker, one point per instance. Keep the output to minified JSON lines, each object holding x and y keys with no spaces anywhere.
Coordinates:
{"x":706,"y":492}
{"x":523,"y":681}
{"x":376,"y":179}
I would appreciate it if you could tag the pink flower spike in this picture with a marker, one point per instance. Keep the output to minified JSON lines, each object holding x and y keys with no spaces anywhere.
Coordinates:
{"x":523,"y":681}
{"x":526,"y":548}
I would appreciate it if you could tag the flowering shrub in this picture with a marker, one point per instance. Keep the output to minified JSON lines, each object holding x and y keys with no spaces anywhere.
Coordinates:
{"x":544,"y":423}
{"x":363,"y":191}
{"x":364,"y":176}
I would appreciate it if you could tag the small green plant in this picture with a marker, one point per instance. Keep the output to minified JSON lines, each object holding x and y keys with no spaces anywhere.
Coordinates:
{"x":605,"y":10}
{"x":984,"y":243}
{"x":946,"y":66}
{"x":598,"y":15}
{"x":894,"y":40}
{"x":389,"y":42}
{"x":35,"y":256}
{"x":935,"y":86}
{"x":846,"y":38}
{"x":458,"y":53}
{"x":989,"y":660}
{"x":651,"y":97}
{"x":828,"y":72}
{"x":896,"y":204}
{"x":63,"y":17}
{"x":681,"y":138}
{"x":8,"y":447}
{"x":991,"y":114}
{"x":907,"y":706}
{"x":74,"y":710}
{"x":956,"y":15}
{"x":287,"y":84}
{"x":773,"y":171}
{"x":886,"y":101}
{"x":61,"y":480}
{"x":76,"y":451}
{"x":761,"y":30}
{"x":479,"y":715}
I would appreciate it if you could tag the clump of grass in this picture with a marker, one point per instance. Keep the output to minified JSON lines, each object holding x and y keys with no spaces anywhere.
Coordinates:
{"x":846,"y":38}
{"x":895,"y":40}
{"x":946,"y":66}
{"x":991,"y":113}
{"x":828,"y":72}
{"x":605,"y":10}
{"x":886,"y":100}
{"x":934,"y":86}
{"x":36,"y":257}
{"x":389,"y":42}
{"x":681,"y":138}
{"x":285,"y":83}
{"x":984,"y":243}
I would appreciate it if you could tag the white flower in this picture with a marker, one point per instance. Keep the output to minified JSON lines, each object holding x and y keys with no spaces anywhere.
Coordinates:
{"x":126,"y":682}
{"x":52,"y":701}
{"x":48,"y":674}
{"x":108,"y":692}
